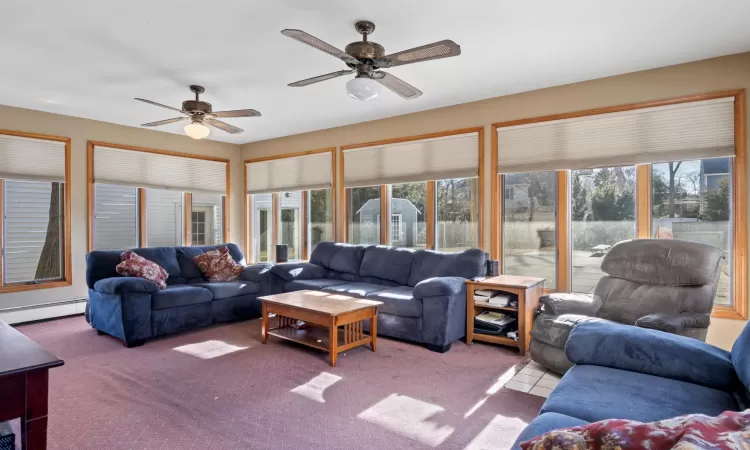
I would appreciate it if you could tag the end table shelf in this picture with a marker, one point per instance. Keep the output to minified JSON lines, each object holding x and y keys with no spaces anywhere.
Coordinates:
{"x":527,"y":289}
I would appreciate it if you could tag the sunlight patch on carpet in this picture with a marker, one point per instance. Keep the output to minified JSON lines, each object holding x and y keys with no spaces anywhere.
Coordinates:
{"x":499,"y":434}
{"x":314,"y":388}
{"x":409,"y":417}
{"x":213,"y":348}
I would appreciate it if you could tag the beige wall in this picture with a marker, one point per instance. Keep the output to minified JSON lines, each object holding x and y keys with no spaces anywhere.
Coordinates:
{"x":730,"y":72}
{"x":81,"y":131}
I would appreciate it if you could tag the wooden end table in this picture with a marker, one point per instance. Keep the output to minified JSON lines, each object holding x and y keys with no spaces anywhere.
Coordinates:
{"x":24,"y":385}
{"x":324,"y":313}
{"x":527,"y":289}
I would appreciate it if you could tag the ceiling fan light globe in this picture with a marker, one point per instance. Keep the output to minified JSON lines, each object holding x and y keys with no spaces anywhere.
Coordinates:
{"x":362,"y":88}
{"x":197,"y":130}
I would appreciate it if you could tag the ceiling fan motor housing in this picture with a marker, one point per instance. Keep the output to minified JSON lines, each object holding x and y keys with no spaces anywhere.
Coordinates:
{"x":196,"y":107}
{"x":365,"y":50}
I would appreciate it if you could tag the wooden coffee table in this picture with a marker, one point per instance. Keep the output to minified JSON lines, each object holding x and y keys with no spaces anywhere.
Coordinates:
{"x":323,"y":313}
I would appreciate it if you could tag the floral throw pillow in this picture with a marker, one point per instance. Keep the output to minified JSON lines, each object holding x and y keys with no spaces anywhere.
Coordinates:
{"x":218,"y":265}
{"x":135,"y":265}
{"x":730,"y":430}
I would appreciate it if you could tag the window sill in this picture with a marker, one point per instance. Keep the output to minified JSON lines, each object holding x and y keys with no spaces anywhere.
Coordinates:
{"x":727,"y":312}
{"x":34,"y":287}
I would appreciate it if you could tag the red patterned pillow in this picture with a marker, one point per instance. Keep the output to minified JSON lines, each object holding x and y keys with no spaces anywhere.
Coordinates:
{"x":135,"y":265}
{"x":218,"y":265}
{"x":730,"y":430}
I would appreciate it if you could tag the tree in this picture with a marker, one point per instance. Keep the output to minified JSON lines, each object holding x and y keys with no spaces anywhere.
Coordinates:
{"x":578,"y":196}
{"x":608,"y":205}
{"x":673,"y":168}
{"x":49,"y":260}
{"x":717,"y":203}
{"x":659,"y":194}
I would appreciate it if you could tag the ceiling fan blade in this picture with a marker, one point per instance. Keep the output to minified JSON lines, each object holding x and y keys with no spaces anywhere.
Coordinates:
{"x":223,"y":126}
{"x":436,"y":50}
{"x":159,"y":104}
{"x":236,"y":113}
{"x":397,"y":85}
{"x":164,"y":122}
{"x":314,"y":42}
{"x":320,"y":78}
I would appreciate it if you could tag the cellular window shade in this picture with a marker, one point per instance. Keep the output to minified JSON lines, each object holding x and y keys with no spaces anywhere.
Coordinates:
{"x":29,"y":159}
{"x":157,"y":171}
{"x":423,"y":160}
{"x":296,"y":173}
{"x":694,"y":130}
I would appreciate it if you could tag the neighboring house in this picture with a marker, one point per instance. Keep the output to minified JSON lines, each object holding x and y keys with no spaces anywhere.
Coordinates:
{"x":713,"y":171}
{"x":404,"y":219}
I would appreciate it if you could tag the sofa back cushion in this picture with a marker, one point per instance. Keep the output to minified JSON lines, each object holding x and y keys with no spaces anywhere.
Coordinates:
{"x":387,"y":263}
{"x":428,"y":264}
{"x":102,"y":264}
{"x":189,"y":268}
{"x":344,"y":258}
{"x":741,"y":356}
{"x":664,"y":262}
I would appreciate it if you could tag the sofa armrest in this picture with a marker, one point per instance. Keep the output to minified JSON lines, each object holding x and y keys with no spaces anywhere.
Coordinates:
{"x":440,"y":286}
{"x":570,"y":303}
{"x":255,"y":272}
{"x":651,"y":352}
{"x":674,"y":323}
{"x":298,"y":271}
{"x":120,"y":285}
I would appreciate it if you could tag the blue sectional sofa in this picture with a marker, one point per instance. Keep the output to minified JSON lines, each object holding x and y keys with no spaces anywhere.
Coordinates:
{"x":423,"y":292}
{"x":625,"y":372}
{"x":135,"y":309}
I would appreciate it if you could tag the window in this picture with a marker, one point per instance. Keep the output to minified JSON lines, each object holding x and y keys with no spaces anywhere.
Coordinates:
{"x":529,"y":225}
{"x":290,"y":224}
{"x":115,"y":217}
{"x":209,"y":221}
{"x":408,"y":215}
{"x":164,"y":215}
{"x":33,"y":249}
{"x":602,"y":214}
{"x":364,"y":215}
{"x":665,"y":170}
{"x":457,"y":214}
{"x":692,"y":200}
{"x":320,"y":222}
{"x":295,"y":192}
{"x":34,"y":212}
{"x":262,"y":227}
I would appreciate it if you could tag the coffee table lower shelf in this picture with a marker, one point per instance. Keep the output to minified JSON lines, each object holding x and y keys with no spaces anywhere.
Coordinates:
{"x":316,"y":337}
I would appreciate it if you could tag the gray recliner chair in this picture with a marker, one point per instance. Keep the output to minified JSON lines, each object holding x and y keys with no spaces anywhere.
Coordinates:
{"x":667,"y":285}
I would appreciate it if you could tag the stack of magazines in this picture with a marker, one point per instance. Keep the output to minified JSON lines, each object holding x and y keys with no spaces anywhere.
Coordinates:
{"x":493,"y":322}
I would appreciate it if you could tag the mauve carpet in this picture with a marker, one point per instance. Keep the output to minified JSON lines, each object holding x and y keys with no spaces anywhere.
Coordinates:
{"x":220,"y":388}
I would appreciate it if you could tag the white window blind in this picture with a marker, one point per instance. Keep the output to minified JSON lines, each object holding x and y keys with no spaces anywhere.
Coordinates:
{"x":298,"y":173}
{"x":694,"y":130}
{"x":30,"y":159}
{"x":423,"y":160}
{"x":157,"y":171}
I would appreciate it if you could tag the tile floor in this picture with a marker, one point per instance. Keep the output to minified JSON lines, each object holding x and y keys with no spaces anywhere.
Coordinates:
{"x":534,"y":379}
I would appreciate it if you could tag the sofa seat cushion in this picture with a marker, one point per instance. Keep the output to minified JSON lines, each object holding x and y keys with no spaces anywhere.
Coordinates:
{"x":621,"y":394}
{"x":228,"y":289}
{"x":398,"y":301}
{"x":312,"y":285}
{"x":555,"y":330}
{"x":179,"y":295}
{"x":360,"y":290}
{"x":544,"y":423}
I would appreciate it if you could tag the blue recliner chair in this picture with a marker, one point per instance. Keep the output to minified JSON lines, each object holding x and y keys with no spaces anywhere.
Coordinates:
{"x":625,"y":372}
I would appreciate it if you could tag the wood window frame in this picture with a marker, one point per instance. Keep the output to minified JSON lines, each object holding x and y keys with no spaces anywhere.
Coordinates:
{"x":67,"y":266}
{"x":276,"y":212}
{"x":431,"y":201}
{"x":739,"y":308}
{"x":141,"y":193}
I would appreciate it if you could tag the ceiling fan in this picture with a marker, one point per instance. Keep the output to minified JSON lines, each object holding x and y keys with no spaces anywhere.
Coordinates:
{"x":366,"y":58}
{"x":200,"y":114}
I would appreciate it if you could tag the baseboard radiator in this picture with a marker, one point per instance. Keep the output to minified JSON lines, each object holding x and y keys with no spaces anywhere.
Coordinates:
{"x":43,"y":311}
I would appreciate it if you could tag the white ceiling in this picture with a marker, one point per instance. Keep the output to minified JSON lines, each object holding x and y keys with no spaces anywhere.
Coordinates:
{"x":89,"y":58}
